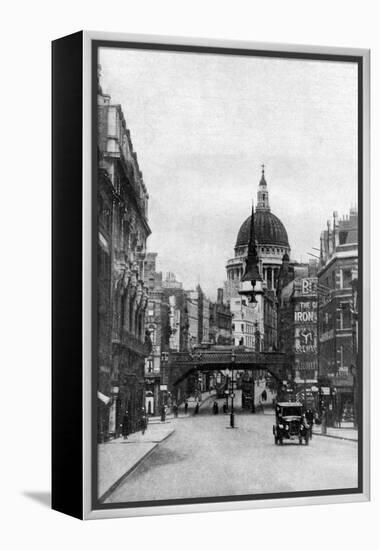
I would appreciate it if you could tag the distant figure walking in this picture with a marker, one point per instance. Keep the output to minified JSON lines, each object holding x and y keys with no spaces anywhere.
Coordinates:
{"x":185,"y":406}
{"x":175,"y":410}
{"x":196,"y":408}
{"x":323,"y":421}
{"x":163,"y":413}
{"x":225,"y":408}
{"x":144,"y":421}
{"x":125,"y":425}
{"x":215,"y":407}
{"x":264,"y":395}
{"x":310,"y":419}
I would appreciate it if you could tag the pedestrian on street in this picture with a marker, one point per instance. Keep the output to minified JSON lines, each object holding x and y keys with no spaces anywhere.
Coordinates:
{"x":185,"y":406}
{"x":225,"y":408}
{"x":310,"y":418}
{"x":264,"y":395}
{"x":125,"y":425}
{"x":215,"y":407}
{"x":175,"y":409}
{"x":163,"y":413}
{"x":323,"y":421}
{"x":196,"y":408}
{"x":144,"y":421}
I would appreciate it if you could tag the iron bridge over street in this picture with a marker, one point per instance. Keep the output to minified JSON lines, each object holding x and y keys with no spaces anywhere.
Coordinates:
{"x":183,"y":364}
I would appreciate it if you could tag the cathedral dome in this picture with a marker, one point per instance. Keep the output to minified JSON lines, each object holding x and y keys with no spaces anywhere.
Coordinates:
{"x":268,"y":230}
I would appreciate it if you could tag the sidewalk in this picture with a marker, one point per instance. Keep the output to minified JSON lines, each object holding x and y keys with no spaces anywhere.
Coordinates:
{"x":350,"y":434}
{"x":119,"y":457}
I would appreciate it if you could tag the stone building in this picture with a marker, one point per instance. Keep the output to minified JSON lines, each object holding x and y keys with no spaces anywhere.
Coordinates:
{"x":337,"y":269}
{"x":220,"y":321}
{"x":297,"y":295}
{"x":158,"y":329}
{"x":245,"y":322}
{"x":254,"y":324}
{"x":272,"y":244}
{"x":105,"y":196}
{"x":168,"y":326}
{"x":122,"y":295}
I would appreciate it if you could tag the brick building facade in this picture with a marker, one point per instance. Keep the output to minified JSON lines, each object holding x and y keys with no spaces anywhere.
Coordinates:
{"x":337,"y":269}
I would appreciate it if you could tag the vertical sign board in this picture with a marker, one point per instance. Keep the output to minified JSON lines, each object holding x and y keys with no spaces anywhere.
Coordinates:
{"x":305,"y":328}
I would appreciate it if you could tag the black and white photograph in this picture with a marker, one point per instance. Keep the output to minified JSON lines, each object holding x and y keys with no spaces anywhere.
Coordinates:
{"x":189,"y":298}
{"x":227,"y":360}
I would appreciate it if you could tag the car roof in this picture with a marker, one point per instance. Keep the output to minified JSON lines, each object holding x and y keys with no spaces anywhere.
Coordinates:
{"x":290,"y":404}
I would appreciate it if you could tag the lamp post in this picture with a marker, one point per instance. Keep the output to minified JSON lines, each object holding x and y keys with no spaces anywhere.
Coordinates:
{"x":226,"y":392}
{"x":233,"y":358}
{"x":252,"y":274}
{"x":230,"y":375}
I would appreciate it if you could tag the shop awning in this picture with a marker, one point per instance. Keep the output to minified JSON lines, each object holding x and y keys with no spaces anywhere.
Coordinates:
{"x":103,"y":398}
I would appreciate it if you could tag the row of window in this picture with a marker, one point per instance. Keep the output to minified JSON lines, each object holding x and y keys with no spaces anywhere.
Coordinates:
{"x":248,"y":341}
{"x":271,"y":250}
{"x":340,"y":319}
{"x":345,"y":279}
{"x":249,"y":329}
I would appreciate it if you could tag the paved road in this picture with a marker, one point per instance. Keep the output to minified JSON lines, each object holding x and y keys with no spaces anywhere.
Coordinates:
{"x":206,"y":458}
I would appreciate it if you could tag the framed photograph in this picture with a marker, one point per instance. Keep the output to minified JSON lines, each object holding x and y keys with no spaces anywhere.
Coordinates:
{"x":210,"y":275}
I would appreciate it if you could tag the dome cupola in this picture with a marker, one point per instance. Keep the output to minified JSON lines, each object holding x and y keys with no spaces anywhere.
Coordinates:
{"x":263,"y":202}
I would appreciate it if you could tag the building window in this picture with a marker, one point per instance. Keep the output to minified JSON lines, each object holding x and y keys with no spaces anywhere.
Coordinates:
{"x":342,"y":356}
{"x":149,"y":365}
{"x":342,"y":237}
{"x":346,"y":278}
{"x":345,"y":315}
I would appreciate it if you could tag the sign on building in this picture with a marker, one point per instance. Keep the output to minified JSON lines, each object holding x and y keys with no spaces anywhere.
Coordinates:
{"x":309,"y":286}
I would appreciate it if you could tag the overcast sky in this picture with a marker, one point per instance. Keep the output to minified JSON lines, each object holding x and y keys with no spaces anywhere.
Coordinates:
{"x":202,"y":125}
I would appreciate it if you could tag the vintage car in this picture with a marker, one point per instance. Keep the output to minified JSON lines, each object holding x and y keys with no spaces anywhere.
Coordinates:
{"x":290,"y":423}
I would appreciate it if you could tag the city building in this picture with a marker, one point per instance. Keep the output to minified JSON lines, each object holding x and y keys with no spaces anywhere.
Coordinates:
{"x":297,"y":295}
{"x":337,"y":270}
{"x":254,"y":324}
{"x":355,"y":342}
{"x":220,"y":321}
{"x":168,"y":324}
{"x":272,"y":244}
{"x":105,"y":196}
{"x":122,"y":301}
{"x":244,"y":322}
{"x":159,"y":330}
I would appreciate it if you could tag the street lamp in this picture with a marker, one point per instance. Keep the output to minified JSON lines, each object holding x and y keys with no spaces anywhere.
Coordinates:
{"x":251,"y":272}
{"x":232,"y":361}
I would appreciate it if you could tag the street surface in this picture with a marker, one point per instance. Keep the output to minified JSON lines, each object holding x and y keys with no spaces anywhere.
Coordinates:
{"x":204,"y":457}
